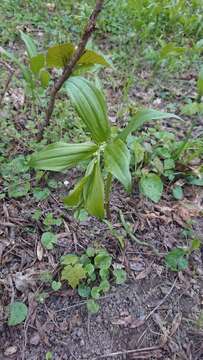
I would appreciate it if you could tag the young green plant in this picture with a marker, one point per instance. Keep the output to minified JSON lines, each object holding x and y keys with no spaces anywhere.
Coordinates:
{"x":106,"y":155}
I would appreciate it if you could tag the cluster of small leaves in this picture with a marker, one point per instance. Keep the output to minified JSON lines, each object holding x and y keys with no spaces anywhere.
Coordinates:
{"x":37,"y":74}
{"x":91,"y":274}
{"x":177,"y":259}
{"x":158,"y":155}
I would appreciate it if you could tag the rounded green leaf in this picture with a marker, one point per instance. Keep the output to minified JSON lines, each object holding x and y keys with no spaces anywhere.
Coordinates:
{"x":95,"y":292}
{"x":17,"y":313}
{"x":92,"y":306}
{"x":59,"y":55}
{"x":84,"y":291}
{"x":37,"y":63}
{"x":89,"y":268}
{"x":178,"y":192}
{"x":103,"y":261}
{"x":44,"y":78}
{"x":151,"y":186}
{"x":48,"y":240}
{"x":90,"y":251}
{"x":104,"y":273}
{"x":104,"y":286}
{"x":56,"y":285}
{"x":90,"y":57}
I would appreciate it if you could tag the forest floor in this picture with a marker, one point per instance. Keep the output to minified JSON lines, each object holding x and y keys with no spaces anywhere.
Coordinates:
{"x":154,"y":315}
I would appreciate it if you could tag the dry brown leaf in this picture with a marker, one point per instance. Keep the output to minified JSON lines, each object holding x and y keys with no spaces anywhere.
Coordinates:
{"x":40,"y":251}
{"x":129,"y":321}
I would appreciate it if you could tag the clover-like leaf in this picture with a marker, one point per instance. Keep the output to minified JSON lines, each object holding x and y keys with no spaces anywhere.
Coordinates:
{"x":176,"y":259}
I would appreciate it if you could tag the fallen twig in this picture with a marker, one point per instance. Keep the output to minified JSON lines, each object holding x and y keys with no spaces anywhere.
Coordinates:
{"x":139,"y":352}
{"x":90,"y":27}
{"x":11,"y":73}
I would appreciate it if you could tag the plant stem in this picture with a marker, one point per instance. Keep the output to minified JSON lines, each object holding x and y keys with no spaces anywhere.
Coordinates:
{"x":89,"y":29}
{"x":132,"y":236}
{"x":108,"y":186}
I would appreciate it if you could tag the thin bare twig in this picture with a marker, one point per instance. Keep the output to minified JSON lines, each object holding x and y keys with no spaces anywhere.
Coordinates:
{"x":11,"y":73}
{"x":162,"y":301}
{"x":141,"y":352}
{"x":90,"y":27}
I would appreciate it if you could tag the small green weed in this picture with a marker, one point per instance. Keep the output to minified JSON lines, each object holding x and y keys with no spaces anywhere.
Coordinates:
{"x":177,"y":259}
{"x":91,"y":274}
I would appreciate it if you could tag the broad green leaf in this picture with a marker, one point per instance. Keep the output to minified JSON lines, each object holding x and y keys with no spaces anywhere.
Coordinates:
{"x":151,"y":186}
{"x":61,"y":156}
{"x":176,"y":259}
{"x":74,"y":198}
{"x":94,"y":193}
{"x":120,"y":276}
{"x":200,"y":83}
{"x":17,"y":313}
{"x":59,"y":55}
{"x":143,"y":116}
{"x":81,"y":69}
{"x":48,"y":240}
{"x":44,"y":78}
{"x":90,"y":105}
{"x":29,"y":43}
{"x":84,"y":291}
{"x":56,"y":285}
{"x":117,"y":162}
{"x":91,"y":57}
{"x":37,"y":63}
{"x":177,"y":192}
{"x":139,"y":152}
{"x":92,"y":306}
{"x":69,"y":259}
{"x":171,"y":49}
{"x":73,"y":274}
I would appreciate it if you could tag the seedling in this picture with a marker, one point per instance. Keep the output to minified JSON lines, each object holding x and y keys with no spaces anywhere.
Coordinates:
{"x":91,"y":274}
{"x":106,"y":156}
{"x":177,"y":259}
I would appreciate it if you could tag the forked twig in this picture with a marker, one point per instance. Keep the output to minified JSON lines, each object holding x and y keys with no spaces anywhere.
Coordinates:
{"x":90,"y":27}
